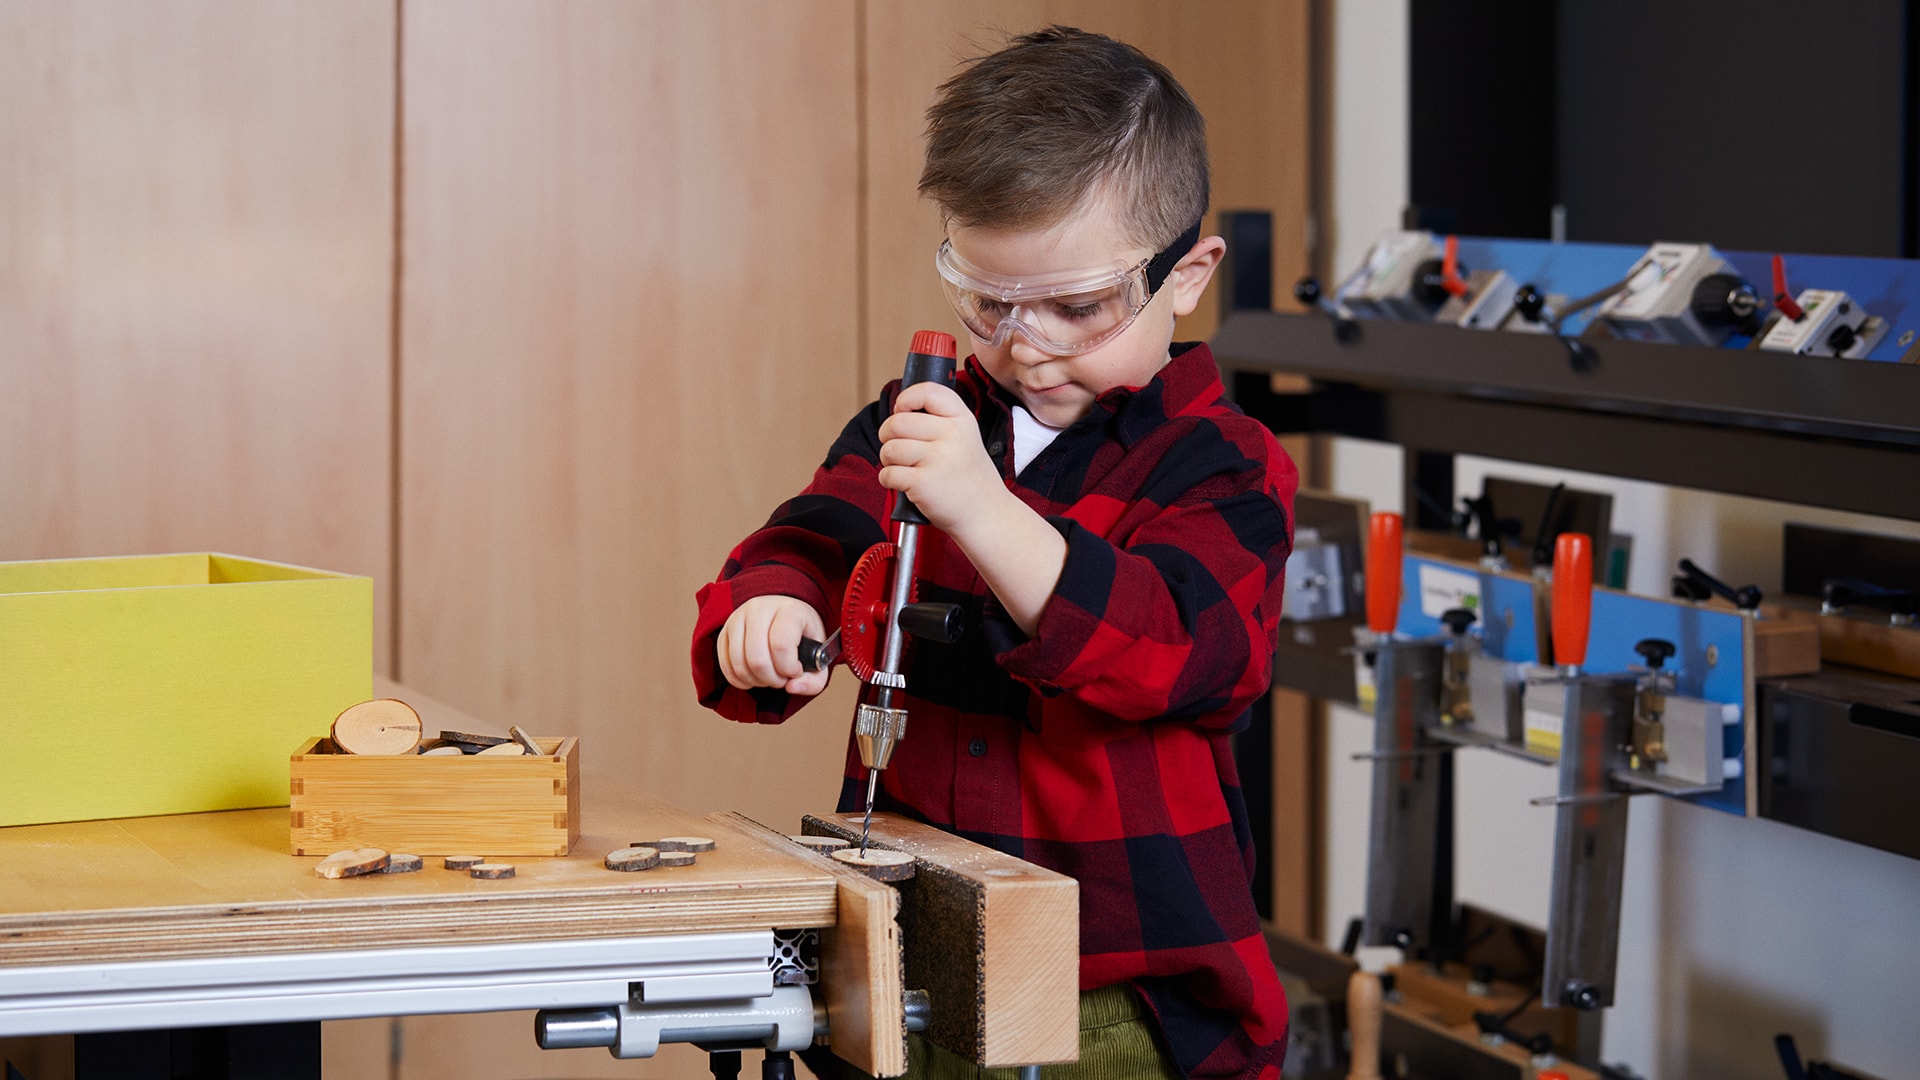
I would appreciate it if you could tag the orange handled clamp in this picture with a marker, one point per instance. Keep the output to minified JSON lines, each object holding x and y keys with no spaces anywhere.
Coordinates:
{"x":1572,"y":598}
{"x":1383,"y":572}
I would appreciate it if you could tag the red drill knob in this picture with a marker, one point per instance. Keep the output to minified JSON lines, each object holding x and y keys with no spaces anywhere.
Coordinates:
{"x":1383,"y":572}
{"x":1572,"y":598}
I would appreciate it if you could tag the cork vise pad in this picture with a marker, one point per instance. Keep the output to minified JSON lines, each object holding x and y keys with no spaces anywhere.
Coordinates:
{"x":994,"y":940}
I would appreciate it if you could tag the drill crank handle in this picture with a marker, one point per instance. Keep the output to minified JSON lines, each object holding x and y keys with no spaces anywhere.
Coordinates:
{"x":819,"y":655}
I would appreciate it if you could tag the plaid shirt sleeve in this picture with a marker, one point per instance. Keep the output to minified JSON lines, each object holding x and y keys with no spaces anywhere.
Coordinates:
{"x":806,"y":550}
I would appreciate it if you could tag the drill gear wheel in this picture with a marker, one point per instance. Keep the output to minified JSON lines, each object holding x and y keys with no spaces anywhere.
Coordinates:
{"x":863,"y":610}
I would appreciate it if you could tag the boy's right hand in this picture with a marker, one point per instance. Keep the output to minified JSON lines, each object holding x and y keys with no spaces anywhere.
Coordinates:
{"x":760,"y":645}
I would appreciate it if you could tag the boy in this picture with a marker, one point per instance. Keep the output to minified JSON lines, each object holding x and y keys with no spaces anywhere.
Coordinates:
{"x":1113,"y":530}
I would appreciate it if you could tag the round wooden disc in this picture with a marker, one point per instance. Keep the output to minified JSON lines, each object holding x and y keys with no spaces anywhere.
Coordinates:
{"x":492,"y":870}
{"x":462,"y":862}
{"x":877,"y":864}
{"x":402,"y":864}
{"x":633,"y":858}
{"x":445,"y":749}
{"x":677,"y":858}
{"x":684,"y":843}
{"x":352,"y":863}
{"x":505,"y":749}
{"x":819,"y":843}
{"x":385,"y":726}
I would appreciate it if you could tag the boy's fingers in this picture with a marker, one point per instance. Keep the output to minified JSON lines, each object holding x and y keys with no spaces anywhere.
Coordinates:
{"x":929,"y":397}
{"x":810,"y":683}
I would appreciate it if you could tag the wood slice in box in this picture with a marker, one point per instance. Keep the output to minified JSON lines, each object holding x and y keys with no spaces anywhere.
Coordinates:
{"x":503,"y":806}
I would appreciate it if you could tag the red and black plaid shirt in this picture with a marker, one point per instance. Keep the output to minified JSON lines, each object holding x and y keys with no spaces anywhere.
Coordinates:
{"x":1098,"y":747}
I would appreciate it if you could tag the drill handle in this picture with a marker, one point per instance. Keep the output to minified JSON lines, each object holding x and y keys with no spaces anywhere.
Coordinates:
{"x":929,"y":359}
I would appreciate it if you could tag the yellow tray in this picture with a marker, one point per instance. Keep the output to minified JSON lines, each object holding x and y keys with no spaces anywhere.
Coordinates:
{"x":169,"y":684}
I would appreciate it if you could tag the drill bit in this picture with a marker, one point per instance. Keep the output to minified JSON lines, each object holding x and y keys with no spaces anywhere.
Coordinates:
{"x":873,"y":783}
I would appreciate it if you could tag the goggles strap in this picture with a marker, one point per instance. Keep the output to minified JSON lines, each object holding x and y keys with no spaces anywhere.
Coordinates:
{"x":1163,"y":263}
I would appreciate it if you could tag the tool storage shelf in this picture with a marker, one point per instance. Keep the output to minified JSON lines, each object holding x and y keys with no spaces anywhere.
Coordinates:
{"x":1818,"y":431}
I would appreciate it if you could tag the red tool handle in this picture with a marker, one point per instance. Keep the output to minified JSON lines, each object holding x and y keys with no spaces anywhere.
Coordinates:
{"x":1450,"y":278}
{"x":1783,"y":296}
{"x":1383,"y":572}
{"x":1572,"y":598}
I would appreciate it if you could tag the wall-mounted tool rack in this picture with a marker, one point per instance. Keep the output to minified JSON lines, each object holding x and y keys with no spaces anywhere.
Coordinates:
{"x":1815,"y":431}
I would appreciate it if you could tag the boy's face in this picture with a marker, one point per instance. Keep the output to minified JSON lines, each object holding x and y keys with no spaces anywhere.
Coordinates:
{"x":1060,"y":389}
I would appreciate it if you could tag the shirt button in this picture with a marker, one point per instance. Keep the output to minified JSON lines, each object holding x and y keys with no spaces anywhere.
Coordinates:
{"x":978,"y":748}
{"x":996,"y":448}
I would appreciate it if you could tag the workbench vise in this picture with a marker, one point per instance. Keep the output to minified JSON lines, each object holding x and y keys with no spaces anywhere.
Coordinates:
{"x":1596,"y":718}
{"x":1403,"y":826}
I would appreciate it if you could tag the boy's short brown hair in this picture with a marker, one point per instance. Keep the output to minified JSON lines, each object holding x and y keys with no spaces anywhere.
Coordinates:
{"x":1022,"y":138}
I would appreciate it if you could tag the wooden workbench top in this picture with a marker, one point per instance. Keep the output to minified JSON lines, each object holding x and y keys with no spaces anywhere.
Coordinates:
{"x":222,"y":884}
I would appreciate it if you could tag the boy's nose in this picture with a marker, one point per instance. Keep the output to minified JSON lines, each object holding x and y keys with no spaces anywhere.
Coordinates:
{"x":1025,"y":352}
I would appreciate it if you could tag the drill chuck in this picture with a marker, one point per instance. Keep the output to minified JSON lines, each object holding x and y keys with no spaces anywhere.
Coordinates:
{"x":876,"y":731}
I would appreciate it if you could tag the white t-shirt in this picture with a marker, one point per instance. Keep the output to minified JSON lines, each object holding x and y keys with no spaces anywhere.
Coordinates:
{"x":1030,"y":436}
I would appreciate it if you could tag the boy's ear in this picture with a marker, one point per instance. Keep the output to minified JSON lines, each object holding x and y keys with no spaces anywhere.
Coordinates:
{"x":1191,"y":274}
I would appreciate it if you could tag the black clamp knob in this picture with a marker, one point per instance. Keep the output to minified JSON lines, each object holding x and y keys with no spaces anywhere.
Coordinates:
{"x":1746,"y":598}
{"x":1655,"y":651}
{"x":1308,"y":292}
{"x":1581,"y":994}
{"x":1531,"y":303}
{"x":1458,"y":620}
{"x":1725,"y":300}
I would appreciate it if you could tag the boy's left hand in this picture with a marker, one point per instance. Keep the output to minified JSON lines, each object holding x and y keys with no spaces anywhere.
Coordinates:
{"x":930,"y":450}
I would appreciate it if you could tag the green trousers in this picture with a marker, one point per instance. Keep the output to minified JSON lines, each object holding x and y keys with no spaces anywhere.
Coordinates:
{"x":1117,"y":1042}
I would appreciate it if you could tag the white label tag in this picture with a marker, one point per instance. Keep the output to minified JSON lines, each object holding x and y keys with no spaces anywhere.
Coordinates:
{"x":1442,"y":590}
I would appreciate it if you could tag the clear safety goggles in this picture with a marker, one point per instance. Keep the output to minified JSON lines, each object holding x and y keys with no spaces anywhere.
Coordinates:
{"x":1062,"y":313}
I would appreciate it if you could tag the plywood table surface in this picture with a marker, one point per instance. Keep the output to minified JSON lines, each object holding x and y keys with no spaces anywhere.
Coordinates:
{"x":222,"y":884}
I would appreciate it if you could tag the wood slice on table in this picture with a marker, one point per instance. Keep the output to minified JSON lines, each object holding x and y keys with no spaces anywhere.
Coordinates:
{"x":683,"y":843}
{"x":462,"y":862}
{"x":352,"y":863}
{"x":633,"y":858}
{"x":877,"y":864}
{"x":525,"y":740}
{"x":384,"y":726}
{"x":492,"y":870}
{"x":402,"y":864}
{"x":505,"y":749}
{"x":677,"y":858}
{"x":823,"y":844}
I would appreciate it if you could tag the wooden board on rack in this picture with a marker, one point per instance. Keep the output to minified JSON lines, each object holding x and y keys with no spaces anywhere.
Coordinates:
{"x":995,"y":941}
{"x":222,"y":884}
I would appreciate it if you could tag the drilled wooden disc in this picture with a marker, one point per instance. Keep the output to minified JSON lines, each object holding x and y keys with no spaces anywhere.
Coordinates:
{"x":402,"y":864}
{"x":684,"y":843}
{"x":819,"y":843}
{"x":677,"y":858}
{"x":633,"y":858}
{"x":492,"y":870}
{"x":877,"y":864}
{"x":505,"y":749}
{"x":462,"y":862}
{"x":385,"y":726}
{"x":352,"y":863}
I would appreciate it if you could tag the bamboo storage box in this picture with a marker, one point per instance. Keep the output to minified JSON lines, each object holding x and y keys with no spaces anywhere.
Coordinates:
{"x":169,"y":684}
{"x":429,"y":805}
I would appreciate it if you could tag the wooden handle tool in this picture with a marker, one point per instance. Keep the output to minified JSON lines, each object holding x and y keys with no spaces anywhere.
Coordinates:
{"x":1363,"y":1024}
